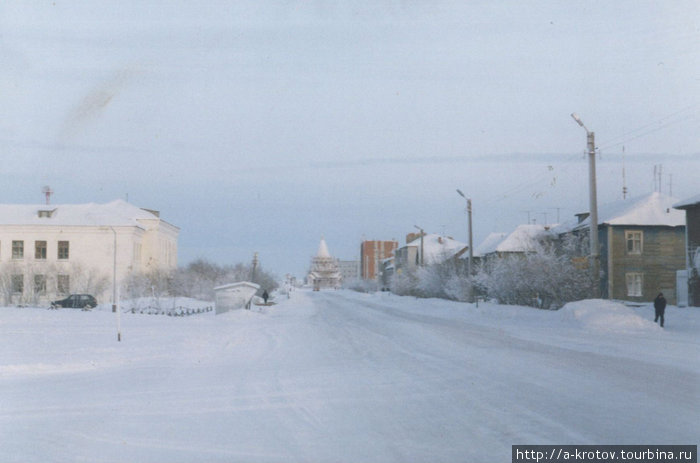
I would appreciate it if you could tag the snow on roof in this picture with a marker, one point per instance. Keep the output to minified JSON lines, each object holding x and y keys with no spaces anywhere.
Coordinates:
{"x":523,"y":239}
{"x":490,"y":243}
{"x":692,"y":201}
{"x":115,"y":213}
{"x":437,"y":248}
{"x":323,"y":249}
{"x":655,"y":209}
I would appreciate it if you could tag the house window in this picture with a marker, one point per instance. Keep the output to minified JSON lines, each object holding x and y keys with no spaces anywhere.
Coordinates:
{"x":18,"y":284}
{"x":634,"y":242}
{"x":63,"y":284}
{"x":18,"y":249}
{"x":40,"y":250}
{"x":635,"y":283}
{"x":40,"y":284}
{"x":63,"y":250}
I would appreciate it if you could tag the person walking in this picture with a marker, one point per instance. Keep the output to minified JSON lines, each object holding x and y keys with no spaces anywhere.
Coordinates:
{"x":659,"y":308}
{"x":265,"y":296}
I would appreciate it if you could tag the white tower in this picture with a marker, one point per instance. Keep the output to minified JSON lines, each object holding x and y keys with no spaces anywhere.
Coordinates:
{"x":324,"y":272}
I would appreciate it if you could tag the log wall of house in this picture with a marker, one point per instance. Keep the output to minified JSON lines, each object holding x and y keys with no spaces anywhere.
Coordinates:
{"x":662,"y":255}
{"x":693,"y":221}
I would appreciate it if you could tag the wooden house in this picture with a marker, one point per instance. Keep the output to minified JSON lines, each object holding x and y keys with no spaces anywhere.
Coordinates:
{"x":691,"y":206}
{"x":642,"y":242}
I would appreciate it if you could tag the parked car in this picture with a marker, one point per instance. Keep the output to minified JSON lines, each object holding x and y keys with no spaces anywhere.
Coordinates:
{"x":76,"y":301}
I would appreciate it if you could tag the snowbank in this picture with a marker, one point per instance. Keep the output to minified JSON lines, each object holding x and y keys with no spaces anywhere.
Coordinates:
{"x":602,"y":315}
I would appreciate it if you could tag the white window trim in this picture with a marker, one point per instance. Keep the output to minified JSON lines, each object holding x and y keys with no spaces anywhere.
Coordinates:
{"x":628,"y":234}
{"x":631,"y":280}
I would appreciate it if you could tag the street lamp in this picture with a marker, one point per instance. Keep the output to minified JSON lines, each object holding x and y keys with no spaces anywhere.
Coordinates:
{"x":595,"y":259}
{"x":114,"y":287}
{"x":422,"y":262}
{"x":469,"y":215}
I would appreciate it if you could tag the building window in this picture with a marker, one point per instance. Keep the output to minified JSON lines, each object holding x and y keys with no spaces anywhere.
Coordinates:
{"x":634,"y":242}
{"x":635,"y":283}
{"x":40,"y":250}
{"x":63,"y":284}
{"x":18,"y":284}
{"x":63,"y":250}
{"x":18,"y":249}
{"x":40,"y":284}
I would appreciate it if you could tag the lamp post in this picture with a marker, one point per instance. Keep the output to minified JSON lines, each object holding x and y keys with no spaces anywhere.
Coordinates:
{"x":114,"y":287}
{"x":469,"y":220}
{"x":595,"y":258}
{"x":422,"y":262}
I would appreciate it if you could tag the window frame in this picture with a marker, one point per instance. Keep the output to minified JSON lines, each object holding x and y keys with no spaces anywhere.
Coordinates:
{"x":634,"y":282}
{"x":17,"y":249}
{"x":17,"y":283}
{"x":40,"y":253}
{"x":637,"y":244}
{"x":63,"y":283}
{"x":63,"y":246}
{"x":40,"y":284}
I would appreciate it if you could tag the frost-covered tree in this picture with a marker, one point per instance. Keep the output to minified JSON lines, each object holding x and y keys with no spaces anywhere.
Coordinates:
{"x":547,"y":277}
{"x":199,"y":278}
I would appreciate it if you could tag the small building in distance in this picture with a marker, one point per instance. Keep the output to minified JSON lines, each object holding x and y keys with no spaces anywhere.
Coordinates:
{"x":426,"y":249}
{"x":349,"y":269}
{"x":324,"y":272}
{"x":372,"y":254}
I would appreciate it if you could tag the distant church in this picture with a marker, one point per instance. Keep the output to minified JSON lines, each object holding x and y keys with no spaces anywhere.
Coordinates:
{"x":324,"y":272}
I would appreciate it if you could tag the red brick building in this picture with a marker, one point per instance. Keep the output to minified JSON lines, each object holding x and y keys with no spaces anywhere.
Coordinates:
{"x":372,"y":253}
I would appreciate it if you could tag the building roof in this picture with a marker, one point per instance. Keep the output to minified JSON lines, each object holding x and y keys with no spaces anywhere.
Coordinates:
{"x":655,"y":209}
{"x":490,"y":243}
{"x":438,"y":248}
{"x":686,"y":203}
{"x":523,"y":239}
{"x":115,"y":213}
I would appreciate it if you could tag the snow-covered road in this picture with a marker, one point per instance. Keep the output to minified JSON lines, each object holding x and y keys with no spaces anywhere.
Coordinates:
{"x":337,"y":376}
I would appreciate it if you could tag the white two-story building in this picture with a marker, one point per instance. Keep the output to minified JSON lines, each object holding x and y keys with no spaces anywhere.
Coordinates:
{"x":48,"y":251}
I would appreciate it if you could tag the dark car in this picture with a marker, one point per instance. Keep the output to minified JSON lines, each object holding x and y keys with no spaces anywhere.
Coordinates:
{"x":76,"y":301}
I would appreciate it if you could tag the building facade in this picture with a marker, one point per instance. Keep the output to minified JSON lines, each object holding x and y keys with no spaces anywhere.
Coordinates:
{"x":426,"y":249}
{"x":48,"y":251}
{"x":642,"y":242}
{"x":372,"y":253}
{"x":691,"y":206}
{"x":349,"y":269}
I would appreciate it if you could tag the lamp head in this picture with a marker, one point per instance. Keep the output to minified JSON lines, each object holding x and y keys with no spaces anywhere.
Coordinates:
{"x":460,"y":193}
{"x":577,"y":119}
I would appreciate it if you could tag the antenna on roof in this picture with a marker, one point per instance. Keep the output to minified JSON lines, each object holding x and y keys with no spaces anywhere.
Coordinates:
{"x":47,"y":192}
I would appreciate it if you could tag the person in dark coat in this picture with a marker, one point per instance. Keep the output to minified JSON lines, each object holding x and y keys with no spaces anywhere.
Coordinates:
{"x":660,"y":308}
{"x":265,"y":296}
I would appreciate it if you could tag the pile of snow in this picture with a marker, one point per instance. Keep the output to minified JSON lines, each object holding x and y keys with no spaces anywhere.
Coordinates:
{"x":602,"y":315}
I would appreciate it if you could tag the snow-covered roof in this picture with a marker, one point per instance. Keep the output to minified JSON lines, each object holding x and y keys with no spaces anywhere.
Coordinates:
{"x":523,"y":239}
{"x":438,"y":248}
{"x":692,"y":201}
{"x":490,"y":243}
{"x":115,"y":213}
{"x":323,"y":249}
{"x":655,"y":209}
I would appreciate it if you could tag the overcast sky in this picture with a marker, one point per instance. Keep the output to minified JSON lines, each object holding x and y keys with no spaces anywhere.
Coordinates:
{"x":260,"y":126}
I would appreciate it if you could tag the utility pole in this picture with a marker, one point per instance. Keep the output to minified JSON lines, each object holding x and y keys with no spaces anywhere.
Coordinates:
{"x":593,"y":201}
{"x":422,"y":262}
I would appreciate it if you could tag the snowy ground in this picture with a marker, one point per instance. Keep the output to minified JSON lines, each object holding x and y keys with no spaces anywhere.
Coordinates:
{"x":344,"y":377}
